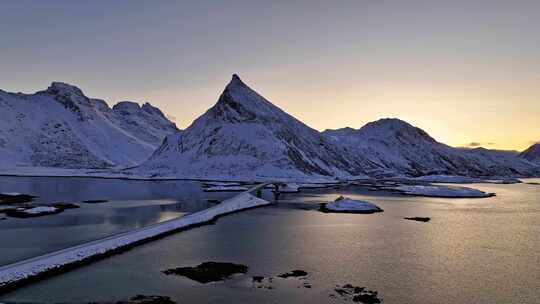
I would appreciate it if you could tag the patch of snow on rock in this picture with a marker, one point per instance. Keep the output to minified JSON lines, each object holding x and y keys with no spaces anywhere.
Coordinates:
{"x":348,"y":205}
{"x":40,"y":210}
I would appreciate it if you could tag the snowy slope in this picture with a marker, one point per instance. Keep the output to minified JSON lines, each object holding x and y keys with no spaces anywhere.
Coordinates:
{"x":245,"y":136}
{"x":402,"y":148}
{"x":61,"y":127}
{"x":532,"y":153}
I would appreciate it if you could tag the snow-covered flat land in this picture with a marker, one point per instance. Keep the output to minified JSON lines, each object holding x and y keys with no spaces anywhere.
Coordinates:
{"x":442,"y":191}
{"x":289,"y":188}
{"x":225,"y":188}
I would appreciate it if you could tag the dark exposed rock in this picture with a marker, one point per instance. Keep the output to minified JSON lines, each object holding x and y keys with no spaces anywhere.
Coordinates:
{"x":368,"y":297}
{"x":357,"y":294}
{"x":268,"y":282}
{"x":65,"y":206}
{"x":209,"y":271}
{"x":294,"y":273}
{"x":418,"y":219}
{"x":142,"y":299}
{"x":15,"y":198}
{"x":95,"y":201}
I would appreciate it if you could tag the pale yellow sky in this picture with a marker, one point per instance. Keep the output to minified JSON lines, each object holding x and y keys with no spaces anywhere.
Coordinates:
{"x":499,"y":115}
{"x":465,"y":71}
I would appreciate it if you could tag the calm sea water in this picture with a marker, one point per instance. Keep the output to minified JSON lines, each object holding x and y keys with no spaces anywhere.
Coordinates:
{"x":131,"y":204}
{"x":473,"y":251}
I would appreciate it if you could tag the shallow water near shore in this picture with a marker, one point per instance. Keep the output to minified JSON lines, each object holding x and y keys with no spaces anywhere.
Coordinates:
{"x":472,"y":251}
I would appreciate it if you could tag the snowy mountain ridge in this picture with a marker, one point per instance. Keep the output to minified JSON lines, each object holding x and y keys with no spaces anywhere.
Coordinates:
{"x":532,"y":153}
{"x":404,"y":149}
{"x":62,"y":127}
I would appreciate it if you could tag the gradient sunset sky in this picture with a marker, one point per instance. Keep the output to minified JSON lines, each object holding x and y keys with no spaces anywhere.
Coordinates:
{"x":467,"y":72}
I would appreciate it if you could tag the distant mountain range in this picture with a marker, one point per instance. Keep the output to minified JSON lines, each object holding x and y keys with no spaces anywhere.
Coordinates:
{"x":243,"y":136}
{"x":61,"y":127}
{"x":396,"y":146}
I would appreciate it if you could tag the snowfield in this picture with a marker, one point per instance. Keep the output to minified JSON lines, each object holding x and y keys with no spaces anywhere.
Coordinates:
{"x":442,"y":191}
{"x":225,"y":188}
{"x":288,"y":188}
{"x":15,"y":273}
{"x":453,"y":179}
{"x":345,"y":204}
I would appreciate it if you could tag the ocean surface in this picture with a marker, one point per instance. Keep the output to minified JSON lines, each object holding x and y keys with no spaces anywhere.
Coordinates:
{"x":472,"y":251}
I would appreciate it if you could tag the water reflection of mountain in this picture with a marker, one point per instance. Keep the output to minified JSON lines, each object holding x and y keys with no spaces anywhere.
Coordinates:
{"x":78,"y":189}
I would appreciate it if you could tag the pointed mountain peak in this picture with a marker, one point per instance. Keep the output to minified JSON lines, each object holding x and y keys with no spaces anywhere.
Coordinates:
{"x":239,"y":102}
{"x":148,"y":108}
{"x":235,"y":77}
{"x":235,"y":83}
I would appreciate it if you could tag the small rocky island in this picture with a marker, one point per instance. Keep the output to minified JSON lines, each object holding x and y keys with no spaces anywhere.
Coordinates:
{"x":209,"y":271}
{"x":347,"y":205}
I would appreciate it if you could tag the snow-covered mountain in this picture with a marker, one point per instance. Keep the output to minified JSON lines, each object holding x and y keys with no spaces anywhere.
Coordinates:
{"x":402,"y":148}
{"x":532,"y":153}
{"x":245,"y":136}
{"x":61,"y":127}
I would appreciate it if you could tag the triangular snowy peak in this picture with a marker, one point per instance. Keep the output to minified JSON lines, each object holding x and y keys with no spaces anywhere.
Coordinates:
{"x":245,"y":136}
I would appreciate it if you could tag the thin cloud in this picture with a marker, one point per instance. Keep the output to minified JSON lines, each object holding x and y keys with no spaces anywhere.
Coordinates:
{"x":473,"y":144}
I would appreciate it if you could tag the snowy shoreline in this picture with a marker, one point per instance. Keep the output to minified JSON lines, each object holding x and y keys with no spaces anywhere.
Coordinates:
{"x":22,"y":272}
{"x":115,"y":174}
{"x":322,"y":181}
